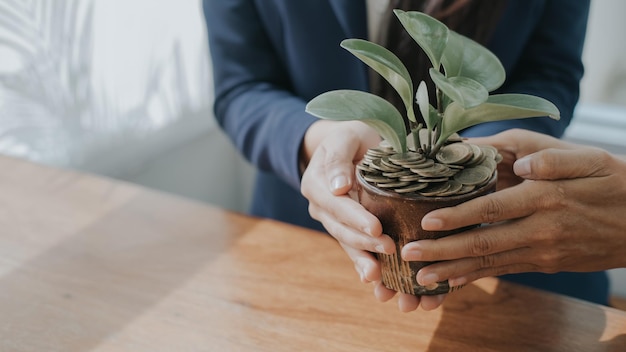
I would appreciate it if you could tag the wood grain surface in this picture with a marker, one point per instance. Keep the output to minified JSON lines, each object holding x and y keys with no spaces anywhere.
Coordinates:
{"x":93,"y":264}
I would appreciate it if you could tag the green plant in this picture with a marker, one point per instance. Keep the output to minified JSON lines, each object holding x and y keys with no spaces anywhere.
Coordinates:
{"x":463,"y":71}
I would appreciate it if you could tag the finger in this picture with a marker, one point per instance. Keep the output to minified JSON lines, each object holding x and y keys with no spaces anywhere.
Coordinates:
{"x":365,"y":264}
{"x":554,"y":164}
{"x":446,"y":270}
{"x":408,"y":303}
{"x":351,"y":237}
{"x":490,"y":272}
{"x":343,"y":209}
{"x":382,"y":293}
{"x":338,"y":163}
{"x":510,"y":203}
{"x":521,"y":142}
{"x":432,"y":302}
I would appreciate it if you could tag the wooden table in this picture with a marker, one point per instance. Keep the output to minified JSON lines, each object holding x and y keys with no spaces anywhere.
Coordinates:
{"x":92,"y":264}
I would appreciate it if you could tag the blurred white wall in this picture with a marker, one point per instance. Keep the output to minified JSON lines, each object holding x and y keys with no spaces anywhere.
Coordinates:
{"x":605,"y":54}
{"x":120,"y":88}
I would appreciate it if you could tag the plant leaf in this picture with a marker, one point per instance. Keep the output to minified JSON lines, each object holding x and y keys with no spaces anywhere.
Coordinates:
{"x":497,"y":108}
{"x":388,"y":65}
{"x":463,"y":90}
{"x":342,"y":105}
{"x":429,"y":113}
{"x":466,"y":58}
{"x":430,"y":34}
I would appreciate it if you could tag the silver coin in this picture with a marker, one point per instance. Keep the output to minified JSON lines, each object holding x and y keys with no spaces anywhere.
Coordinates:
{"x":396,"y":184}
{"x":366,"y":168}
{"x":434,"y":189}
{"x":424,"y":164}
{"x":473,"y":175}
{"x":401,"y":158}
{"x":411,"y":188}
{"x":465,"y":189}
{"x":433,"y":171}
{"x":478,"y":156}
{"x":410,"y":178}
{"x":456,"y":153}
{"x":398,"y":173}
{"x":432,"y":179}
{"x":378,"y":179}
{"x":454,"y":188}
{"x":378,"y":165}
{"x":489,"y":151}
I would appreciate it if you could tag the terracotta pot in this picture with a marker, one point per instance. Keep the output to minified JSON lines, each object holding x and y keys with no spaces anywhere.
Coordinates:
{"x":401,"y":216}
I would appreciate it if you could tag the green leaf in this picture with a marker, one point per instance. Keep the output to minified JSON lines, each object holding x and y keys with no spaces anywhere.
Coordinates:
{"x":463,"y":90}
{"x":497,"y":108}
{"x":342,"y":105}
{"x":430,"y":34}
{"x":429,"y":113}
{"x":466,"y":58}
{"x":388,"y":65}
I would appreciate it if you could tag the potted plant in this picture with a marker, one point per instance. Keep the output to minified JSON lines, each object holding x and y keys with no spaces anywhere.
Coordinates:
{"x":427,"y":166}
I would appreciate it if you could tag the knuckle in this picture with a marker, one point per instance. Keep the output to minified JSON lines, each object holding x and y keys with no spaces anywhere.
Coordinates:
{"x":479,"y":246}
{"x":487,"y":261}
{"x":549,"y":262}
{"x":492,"y":210}
{"x":313,"y":211}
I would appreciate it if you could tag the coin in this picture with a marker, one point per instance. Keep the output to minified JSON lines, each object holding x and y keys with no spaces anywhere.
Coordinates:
{"x":490,"y":164}
{"x":384,"y":161}
{"x":378,"y":165}
{"x":401,"y":158}
{"x":397,"y":174}
{"x":454,"y":188}
{"x":377,"y":179}
{"x":393,"y":184}
{"x":477,"y":157}
{"x":434,"y":189}
{"x":489,"y":151}
{"x":433,"y":171}
{"x":365,"y":168}
{"x":425,"y":163}
{"x":411,"y":178}
{"x":456,"y":153}
{"x":466,"y":189}
{"x":473,"y":175}
{"x":411,"y":188}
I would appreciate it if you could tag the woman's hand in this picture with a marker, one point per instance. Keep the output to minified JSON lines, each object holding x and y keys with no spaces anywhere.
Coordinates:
{"x":568,"y":215}
{"x":330,"y":150}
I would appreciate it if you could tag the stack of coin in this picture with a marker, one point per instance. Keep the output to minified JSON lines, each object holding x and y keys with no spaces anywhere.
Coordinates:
{"x":458,"y":168}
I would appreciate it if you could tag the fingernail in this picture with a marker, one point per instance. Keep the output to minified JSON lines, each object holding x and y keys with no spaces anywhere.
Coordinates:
{"x":412,"y":255}
{"x":360,"y":270}
{"x":339,"y":182}
{"x":380,"y":249}
{"x":428,"y":279}
{"x":522,"y":167}
{"x":432,"y":224}
{"x":457,"y":281}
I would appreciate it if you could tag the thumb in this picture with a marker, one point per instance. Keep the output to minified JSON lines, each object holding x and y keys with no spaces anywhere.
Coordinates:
{"x":554,"y":164}
{"x":339,"y":154}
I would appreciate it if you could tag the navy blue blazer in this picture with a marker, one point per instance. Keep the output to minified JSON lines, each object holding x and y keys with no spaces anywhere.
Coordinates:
{"x":270,"y":57}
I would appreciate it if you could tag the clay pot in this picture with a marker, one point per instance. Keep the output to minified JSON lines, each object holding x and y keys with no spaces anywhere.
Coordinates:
{"x":401,"y":216}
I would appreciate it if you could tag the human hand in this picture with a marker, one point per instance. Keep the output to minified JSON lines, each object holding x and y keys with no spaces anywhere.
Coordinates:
{"x":331,"y":149}
{"x":567,"y":216}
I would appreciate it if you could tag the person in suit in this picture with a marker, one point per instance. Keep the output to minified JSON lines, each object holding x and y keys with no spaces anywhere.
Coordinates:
{"x":270,"y":57}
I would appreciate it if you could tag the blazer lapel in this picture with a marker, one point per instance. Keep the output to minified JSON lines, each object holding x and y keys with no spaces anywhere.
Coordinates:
{"x":352,"y":17}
